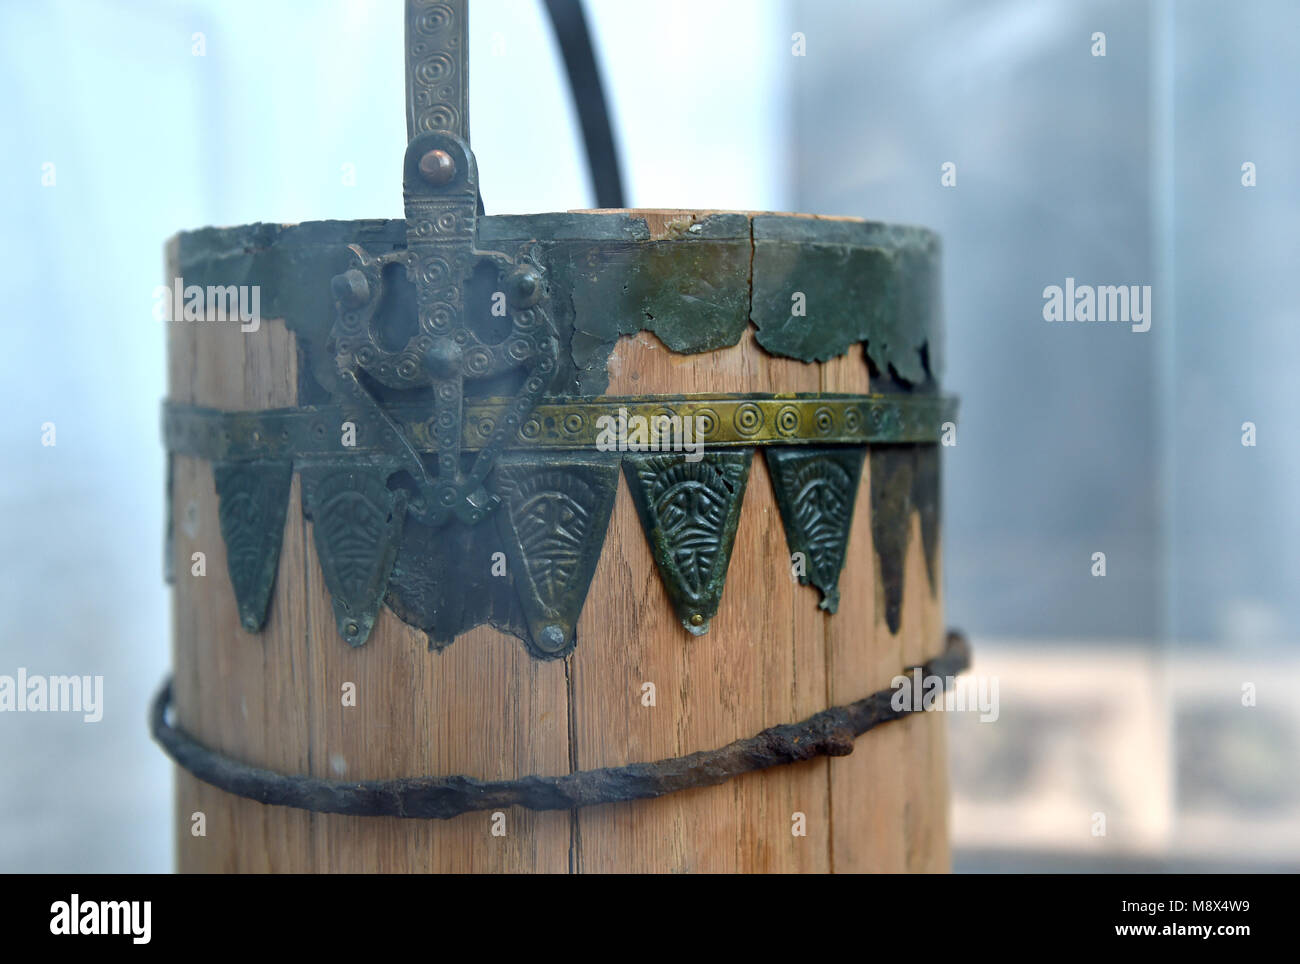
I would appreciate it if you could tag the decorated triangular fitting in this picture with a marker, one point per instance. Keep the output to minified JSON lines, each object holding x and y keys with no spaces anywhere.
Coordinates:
{"x":252,"y":500}
{"x":904,"y":479}
{"x":357,"y":525}
{"x":893,"y":470}
{"x":689,"y":506}
{"x":816,"y":489}
{"x":553,"y":523}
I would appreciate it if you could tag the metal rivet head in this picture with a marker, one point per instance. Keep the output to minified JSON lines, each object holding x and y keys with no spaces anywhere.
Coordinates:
{"x":350,"y":287}
{"x":525,"y":286}
{"x":437,"y":167}
{"x":697,"y":619}
{"x":552,"y":638}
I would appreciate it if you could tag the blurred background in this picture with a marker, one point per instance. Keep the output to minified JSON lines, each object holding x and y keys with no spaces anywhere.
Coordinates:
{"x":1161,"y":694}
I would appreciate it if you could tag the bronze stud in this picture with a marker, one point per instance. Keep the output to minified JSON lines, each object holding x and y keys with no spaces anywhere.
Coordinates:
{"x":437,"y":167}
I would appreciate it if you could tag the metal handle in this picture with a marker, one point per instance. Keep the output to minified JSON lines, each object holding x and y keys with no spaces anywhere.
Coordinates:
{"x":437,"y":67}
{"x":437,"y":82}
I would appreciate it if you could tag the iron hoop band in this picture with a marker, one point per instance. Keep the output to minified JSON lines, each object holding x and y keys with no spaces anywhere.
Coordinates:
{"x":828,"y":733}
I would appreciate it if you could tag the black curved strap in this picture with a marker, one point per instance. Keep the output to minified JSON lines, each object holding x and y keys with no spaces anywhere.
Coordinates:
{"x":574,"y":38}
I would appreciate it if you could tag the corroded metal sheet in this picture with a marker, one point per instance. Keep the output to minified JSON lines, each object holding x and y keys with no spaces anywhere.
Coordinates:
{"x":253,"y":499}
{"x":554,"y":525}
{"x":561,"y":469}
{"x":816,"y":489}
{"x":357,"y":525}
{"x":691,"y":291}
{"x":904,"y":480}
{"x":690,"y":511}
{"x":447,"y":580}
{"x":822,"y":286}
{"x":697,"y":290}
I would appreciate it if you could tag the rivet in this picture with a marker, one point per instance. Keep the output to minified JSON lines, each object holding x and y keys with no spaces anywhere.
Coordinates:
{"x":437,"y":167}
{"x":526,"y":286}
{"x":351,"y":287}
{"x":552,"y":638}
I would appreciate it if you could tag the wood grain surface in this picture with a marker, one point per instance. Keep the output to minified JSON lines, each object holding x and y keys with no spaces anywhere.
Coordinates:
{"x":483,"y":707}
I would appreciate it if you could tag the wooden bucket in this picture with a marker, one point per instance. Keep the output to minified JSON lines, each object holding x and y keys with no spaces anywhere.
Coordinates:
{"x":576,"y":542}
{"x":636,"y":687}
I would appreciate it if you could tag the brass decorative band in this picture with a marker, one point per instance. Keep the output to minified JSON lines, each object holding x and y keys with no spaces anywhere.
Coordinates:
{"x":566,"y":423}
{"x":829,"y":733}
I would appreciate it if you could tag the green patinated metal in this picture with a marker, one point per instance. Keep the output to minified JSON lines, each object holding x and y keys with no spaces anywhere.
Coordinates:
{"x":904,"y":481}
{"x":357,"y":527}
{"x":690,"y":509}
{"x":451,"y":374}
{"x":447,"y":580}
{"x":253,"y":499}
{"x":816,"y":489}
{"x":553,"y":526}
{"x":698,"y":291}
{"x":851,"y":282}
{"x":557,"y":483}
{"x":692,"y":290}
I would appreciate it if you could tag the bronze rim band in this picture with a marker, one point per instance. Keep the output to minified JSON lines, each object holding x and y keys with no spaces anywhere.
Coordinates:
{"x":828,"y":733}
{"x":565,"y":423}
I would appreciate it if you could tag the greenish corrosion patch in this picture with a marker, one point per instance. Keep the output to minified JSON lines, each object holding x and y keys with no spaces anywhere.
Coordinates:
{"x":693,"y":294}
{"x":443,"y":583}
{"x":292,"y":266}
{"x":820,"y":286}
{"x":904,"y":479}
{"x":811,"y":287}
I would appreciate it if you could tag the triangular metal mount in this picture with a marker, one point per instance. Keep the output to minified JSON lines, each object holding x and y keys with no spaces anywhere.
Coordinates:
{"x":357,"y":525}
{"x":554,"y":525}
{"x":690,"y":508}
{"x":253,"y":499}
{"x":816,"y":489}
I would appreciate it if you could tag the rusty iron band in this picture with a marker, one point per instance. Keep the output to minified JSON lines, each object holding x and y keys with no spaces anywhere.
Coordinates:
{"x":828,"y":733}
